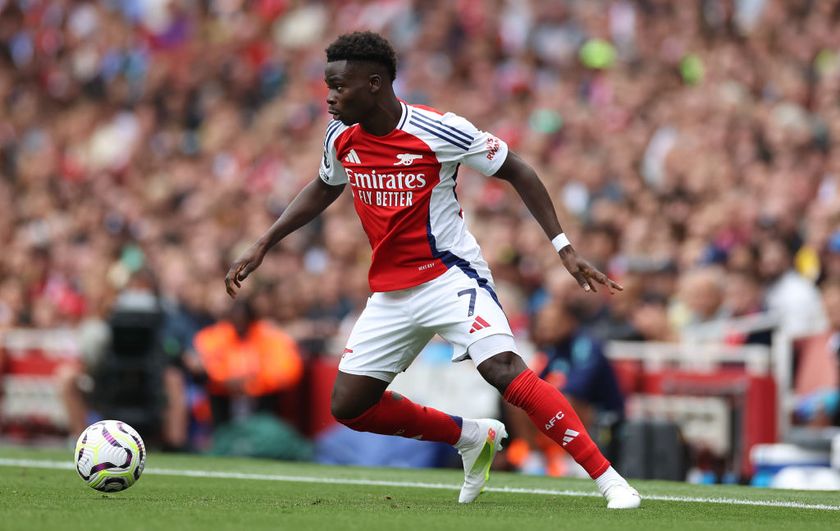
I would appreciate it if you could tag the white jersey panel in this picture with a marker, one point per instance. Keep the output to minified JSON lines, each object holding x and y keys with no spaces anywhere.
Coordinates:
{"x":331,"y":170}
{"x":455,"y":139}
{"x":446,"y":224}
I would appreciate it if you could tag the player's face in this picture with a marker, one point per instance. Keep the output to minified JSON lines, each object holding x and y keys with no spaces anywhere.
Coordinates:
{"x":351,"y":91}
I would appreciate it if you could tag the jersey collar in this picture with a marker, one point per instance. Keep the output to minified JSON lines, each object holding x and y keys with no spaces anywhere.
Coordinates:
{"x":406,"y":110}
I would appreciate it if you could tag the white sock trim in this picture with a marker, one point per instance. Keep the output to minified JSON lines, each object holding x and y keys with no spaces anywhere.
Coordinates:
{"x":469,"y":433}
{"x":609,"y":476}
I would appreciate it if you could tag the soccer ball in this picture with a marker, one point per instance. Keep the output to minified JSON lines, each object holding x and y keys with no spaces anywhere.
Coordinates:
{"x":110,"y":455}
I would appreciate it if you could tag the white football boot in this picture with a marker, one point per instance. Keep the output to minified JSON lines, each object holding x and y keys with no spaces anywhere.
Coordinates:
{"x":619,"y":493}
{"x":478,"y":454}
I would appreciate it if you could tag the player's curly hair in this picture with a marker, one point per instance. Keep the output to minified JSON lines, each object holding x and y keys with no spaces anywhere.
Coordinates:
{"x":364,"y":46}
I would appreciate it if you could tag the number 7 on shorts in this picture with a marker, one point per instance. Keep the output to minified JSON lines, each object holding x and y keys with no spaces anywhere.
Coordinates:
{"x":471,"y":293}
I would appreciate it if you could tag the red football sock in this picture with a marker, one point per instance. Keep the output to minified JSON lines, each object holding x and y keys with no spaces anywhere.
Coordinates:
{"x":551,"y":413}
{"x":394,"y":414}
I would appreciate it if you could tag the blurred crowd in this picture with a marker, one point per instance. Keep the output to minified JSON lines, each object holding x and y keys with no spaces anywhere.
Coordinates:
{"x":692,"y":149}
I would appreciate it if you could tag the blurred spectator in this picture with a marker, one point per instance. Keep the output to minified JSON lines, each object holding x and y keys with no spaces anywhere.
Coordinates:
{"x":171,"y":133}
{"x":742,"y":294}
{"x":793,"y":297}
{"x":601,"y":318}
{"x":700,"y":297}
{"x":817,"y":381}
{"x":830,"y":262}
{"x":123,"y":368}
{"x":743,"y":297}
{"x":575,"y":363}
{"x":660,"y":277}
{"x":650,"y":320}
{"x":75,"y":380}
{"x":248,"y":363}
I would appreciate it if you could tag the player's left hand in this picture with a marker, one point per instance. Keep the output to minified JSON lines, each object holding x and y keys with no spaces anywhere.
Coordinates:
{"x":244,"y":266}
{"x":585,"y":273}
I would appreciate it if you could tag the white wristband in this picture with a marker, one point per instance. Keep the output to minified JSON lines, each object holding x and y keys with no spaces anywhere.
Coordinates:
{"x":560,"y":241}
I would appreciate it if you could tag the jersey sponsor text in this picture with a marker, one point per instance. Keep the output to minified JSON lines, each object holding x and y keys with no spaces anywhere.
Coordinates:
{"x":385,"y":189}
{"x":386,"y":181}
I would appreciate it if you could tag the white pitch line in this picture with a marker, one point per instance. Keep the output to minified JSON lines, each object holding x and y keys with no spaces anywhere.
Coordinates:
{"x":32,"y":463}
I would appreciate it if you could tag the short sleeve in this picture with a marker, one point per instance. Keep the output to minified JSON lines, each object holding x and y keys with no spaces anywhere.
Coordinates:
{"x":477,"y":149}
{"x":331,"y":170}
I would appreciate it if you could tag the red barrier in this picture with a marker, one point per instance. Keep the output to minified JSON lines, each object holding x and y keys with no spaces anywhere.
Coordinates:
{"x":752,"y":398}
{"x":322,"y":373}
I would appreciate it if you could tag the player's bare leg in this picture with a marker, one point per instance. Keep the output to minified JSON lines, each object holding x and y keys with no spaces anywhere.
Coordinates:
{"x":176,"y":417}
{"x":67,"y":380}
{"x":551,"y":413}
{"x":363,"y":404}
{"x":354,"y":394}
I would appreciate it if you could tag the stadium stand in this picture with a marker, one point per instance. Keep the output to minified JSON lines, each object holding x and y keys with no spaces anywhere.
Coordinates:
{"x":167,"y":135}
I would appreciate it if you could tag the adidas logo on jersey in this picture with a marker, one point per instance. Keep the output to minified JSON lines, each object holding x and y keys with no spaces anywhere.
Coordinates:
{"x":352,"y":157}
{"x":406,"y":159}
{"x":569,"y":436}
{"x":479,"y":324}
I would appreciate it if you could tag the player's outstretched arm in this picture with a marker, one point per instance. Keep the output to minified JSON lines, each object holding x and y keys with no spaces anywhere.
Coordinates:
{"x":533,"y":193}
{"x":311,"y":201}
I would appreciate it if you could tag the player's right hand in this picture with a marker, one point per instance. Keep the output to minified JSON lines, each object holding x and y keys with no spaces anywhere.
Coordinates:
{"x":242,"y":267}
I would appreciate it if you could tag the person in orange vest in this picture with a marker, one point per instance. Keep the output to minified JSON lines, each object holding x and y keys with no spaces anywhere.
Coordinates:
{"x":248,"y":362}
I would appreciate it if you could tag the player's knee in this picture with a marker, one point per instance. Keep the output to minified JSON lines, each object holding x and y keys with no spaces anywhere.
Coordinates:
{"x":343,"y":408}
{"x":352,"y":395}
{"x":338,"y":407}
{"x":501,"y":369}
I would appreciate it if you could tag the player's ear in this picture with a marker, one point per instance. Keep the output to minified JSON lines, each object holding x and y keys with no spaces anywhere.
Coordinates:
{"x":375,"y":83}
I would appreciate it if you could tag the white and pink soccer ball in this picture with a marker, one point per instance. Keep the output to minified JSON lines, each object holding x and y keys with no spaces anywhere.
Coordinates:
{"x":110,"y":456}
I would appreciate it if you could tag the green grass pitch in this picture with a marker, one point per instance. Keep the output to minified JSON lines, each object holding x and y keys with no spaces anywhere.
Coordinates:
{"x":40,"y":490}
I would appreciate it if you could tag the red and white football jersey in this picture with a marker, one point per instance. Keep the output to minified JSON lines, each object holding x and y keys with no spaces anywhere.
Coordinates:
{"x":403,"y":188}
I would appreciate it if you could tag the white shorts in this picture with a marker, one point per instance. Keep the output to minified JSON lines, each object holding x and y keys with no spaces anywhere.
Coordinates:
{"x":461,"y":306}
